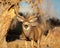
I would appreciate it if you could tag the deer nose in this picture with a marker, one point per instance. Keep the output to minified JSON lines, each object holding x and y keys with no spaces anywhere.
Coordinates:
{"x":26,"y":26}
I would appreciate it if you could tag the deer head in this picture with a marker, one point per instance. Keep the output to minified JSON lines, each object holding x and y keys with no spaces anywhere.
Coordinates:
{"x":27,"y":23}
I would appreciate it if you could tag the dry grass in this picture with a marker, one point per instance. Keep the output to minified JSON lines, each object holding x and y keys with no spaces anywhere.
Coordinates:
{"x":21,"y":44}
{"x":5,"y":20}
{"x":52,"y":40}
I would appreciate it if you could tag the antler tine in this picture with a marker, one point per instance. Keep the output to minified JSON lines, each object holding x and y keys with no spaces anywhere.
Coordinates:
{"x":30,"y":17}
{"x":20,"y":18}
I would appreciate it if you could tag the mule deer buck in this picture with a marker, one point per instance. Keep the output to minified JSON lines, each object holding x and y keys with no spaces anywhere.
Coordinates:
{"x":32,"y":30}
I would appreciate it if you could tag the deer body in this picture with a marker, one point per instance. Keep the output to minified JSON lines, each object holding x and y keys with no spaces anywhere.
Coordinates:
{"x":31,"y":27}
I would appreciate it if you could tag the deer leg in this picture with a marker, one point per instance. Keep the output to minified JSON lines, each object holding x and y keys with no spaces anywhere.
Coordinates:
{"x":32,"y":43}
{"x":22,"y":36}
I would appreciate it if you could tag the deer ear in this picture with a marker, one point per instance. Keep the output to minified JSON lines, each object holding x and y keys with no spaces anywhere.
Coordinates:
{"x":20,"y":18}
{"x":13,"y":24}
{"x":34,"y":24}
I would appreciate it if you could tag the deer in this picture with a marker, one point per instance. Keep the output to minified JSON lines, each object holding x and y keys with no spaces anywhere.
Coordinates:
{"x":32,"y":29}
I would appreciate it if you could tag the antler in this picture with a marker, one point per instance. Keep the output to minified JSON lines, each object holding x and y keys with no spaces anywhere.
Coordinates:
{"x":20,"y":18}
